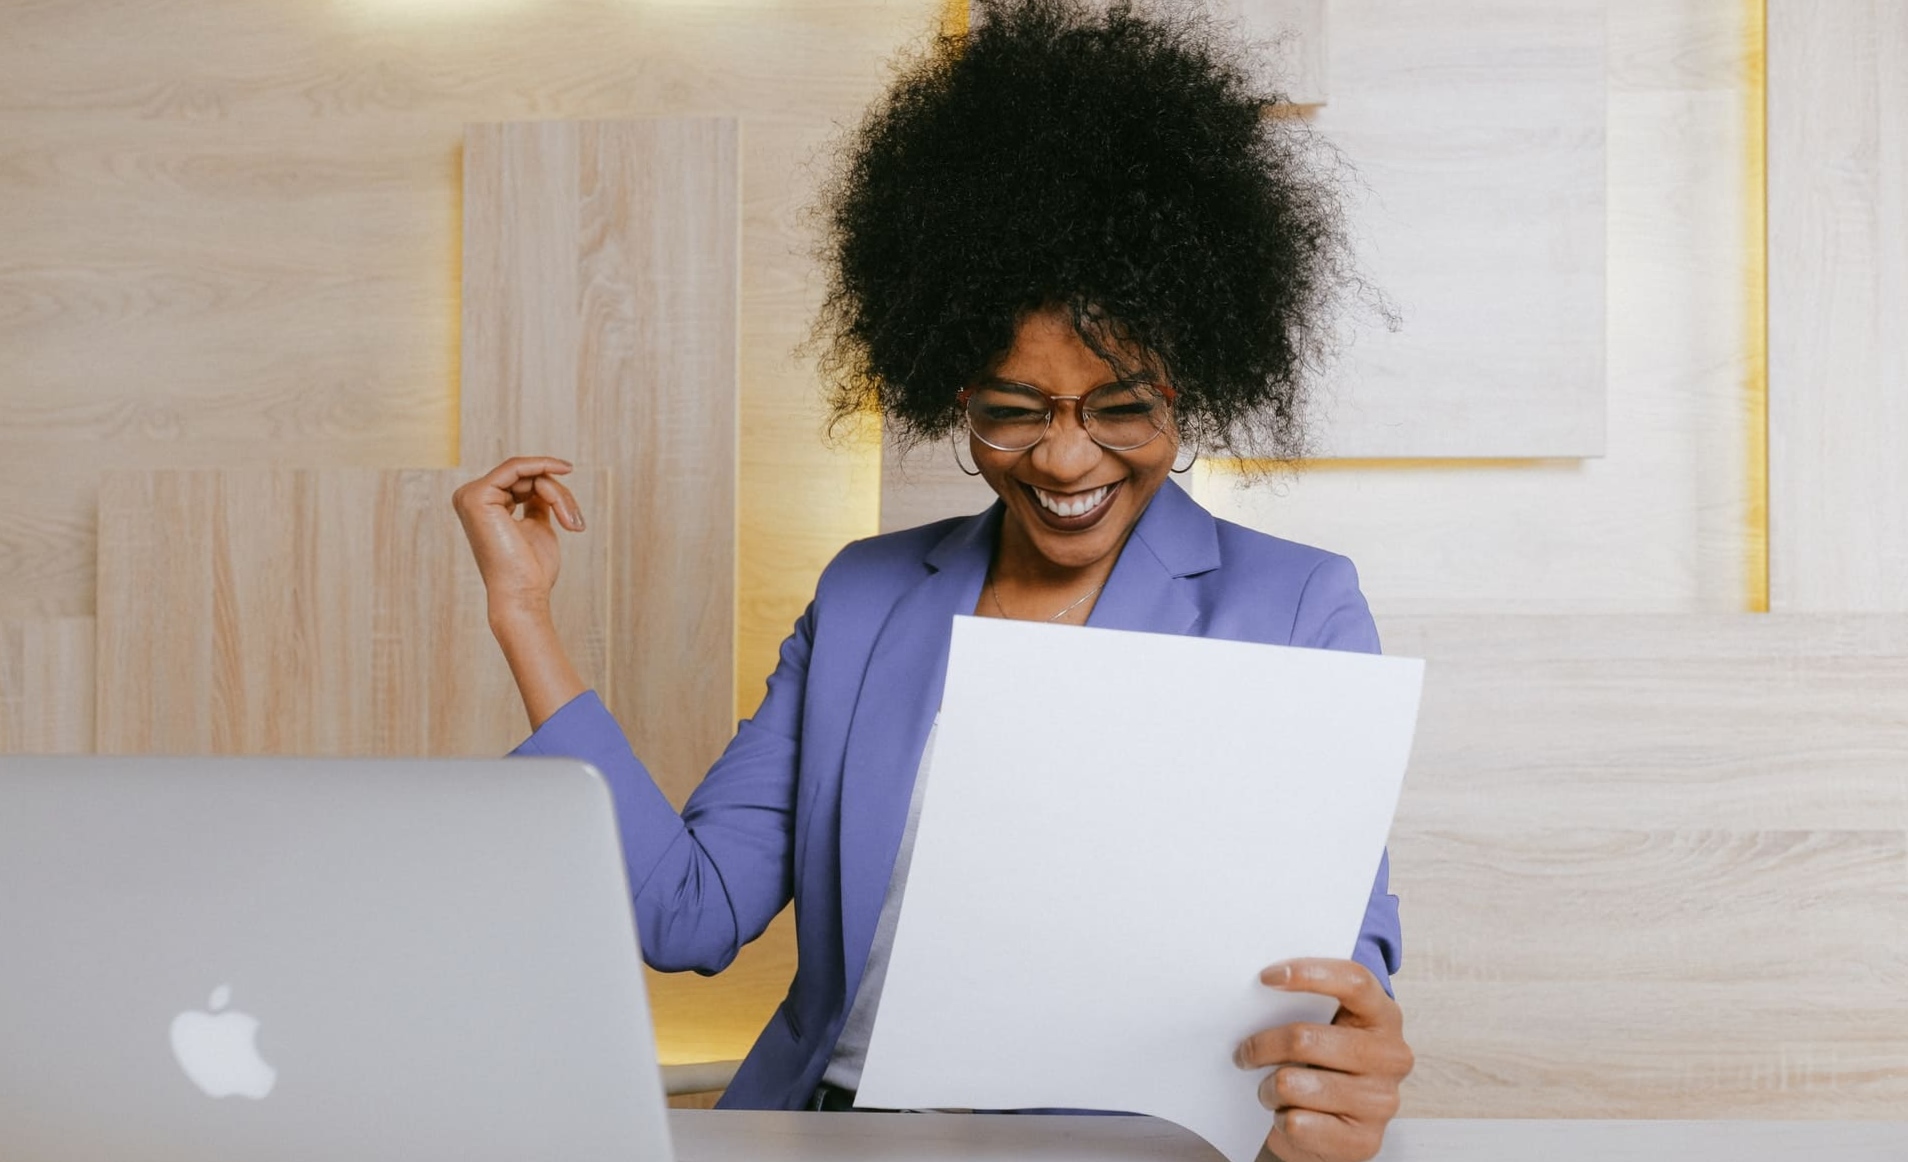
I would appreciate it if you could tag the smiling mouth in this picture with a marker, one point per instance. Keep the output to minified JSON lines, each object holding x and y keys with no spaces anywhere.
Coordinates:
{"x":1073,"y":511}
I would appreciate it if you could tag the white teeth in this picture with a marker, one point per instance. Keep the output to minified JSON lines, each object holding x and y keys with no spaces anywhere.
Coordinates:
{"x":1075,"y":506}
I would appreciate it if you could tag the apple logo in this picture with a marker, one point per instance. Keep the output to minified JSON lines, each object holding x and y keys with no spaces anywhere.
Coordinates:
{"x":217,"y":1052}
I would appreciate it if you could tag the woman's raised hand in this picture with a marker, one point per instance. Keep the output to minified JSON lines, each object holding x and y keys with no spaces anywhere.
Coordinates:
{"x":518,"y":556}
{"x":1335,"y":1087}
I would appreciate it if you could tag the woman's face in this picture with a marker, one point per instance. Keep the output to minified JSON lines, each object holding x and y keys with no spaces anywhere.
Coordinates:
{"x":1066,"y":468}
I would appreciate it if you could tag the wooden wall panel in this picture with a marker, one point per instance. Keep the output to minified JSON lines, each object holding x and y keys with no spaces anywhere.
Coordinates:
{"x":46,"y":686}
{"x":601,"y":285}
{"x":584,"y":336}
{"x":179,"y":297}
{"x":1727,"y":1049}
{"x":1656,"y":867}
{"x":926,"y":483}
{"x":1684,"y":722}
{"x":1838,"y":306}
{"x":327,"y":613}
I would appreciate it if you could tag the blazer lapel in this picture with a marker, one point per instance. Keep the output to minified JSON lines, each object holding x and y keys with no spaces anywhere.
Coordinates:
{"x":900,"y":695}
{"x":1174,"y":538}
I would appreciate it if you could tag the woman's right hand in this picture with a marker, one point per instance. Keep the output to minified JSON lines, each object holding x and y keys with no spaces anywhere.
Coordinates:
{"x":518,"y":557}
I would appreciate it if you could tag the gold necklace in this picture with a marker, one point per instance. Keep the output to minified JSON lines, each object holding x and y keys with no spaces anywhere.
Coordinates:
{"x":994,"y":592}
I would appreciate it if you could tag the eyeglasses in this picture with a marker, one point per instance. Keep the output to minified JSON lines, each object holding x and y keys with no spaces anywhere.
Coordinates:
{"x":1118,"y":416}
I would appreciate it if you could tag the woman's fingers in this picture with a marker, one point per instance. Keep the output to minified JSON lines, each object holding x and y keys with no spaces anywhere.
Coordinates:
{"x":519,"y":467}
{"x":1361,"y":999}
{"x":559,"y":500}
{"x":1324,"y":1046}
{"x":510,"y":481}
{"x":1347,"y":1095}
{"x":518,"y":558}
{"x":526,"y":480}
{"x":1335,"y":1087}
{"x":1303,"y":1135}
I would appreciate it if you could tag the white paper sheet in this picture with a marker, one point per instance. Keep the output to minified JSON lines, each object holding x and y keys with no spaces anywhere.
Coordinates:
{"x":1120,"y":831}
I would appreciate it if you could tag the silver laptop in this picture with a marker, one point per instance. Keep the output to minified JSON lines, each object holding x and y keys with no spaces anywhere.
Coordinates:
{"x":225,"y":959}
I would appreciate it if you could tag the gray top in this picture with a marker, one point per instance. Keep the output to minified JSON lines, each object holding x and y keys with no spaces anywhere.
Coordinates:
{"x":851,"y":1049}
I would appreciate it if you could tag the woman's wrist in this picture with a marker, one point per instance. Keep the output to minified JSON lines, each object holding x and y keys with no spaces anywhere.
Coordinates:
{"x":521,"y":617}
{"x":545,"y":678}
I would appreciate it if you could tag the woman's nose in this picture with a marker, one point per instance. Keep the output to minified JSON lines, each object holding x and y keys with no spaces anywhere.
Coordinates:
{"x":1066,"y":452}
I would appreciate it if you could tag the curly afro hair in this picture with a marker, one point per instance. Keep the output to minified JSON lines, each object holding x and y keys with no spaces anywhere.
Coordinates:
{"x":1114,"y":163}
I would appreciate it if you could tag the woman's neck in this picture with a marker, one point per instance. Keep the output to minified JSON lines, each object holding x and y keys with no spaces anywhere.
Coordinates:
{"x":1017,"y":565}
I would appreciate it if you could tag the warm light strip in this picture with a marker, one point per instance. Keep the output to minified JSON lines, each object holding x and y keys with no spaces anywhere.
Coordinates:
{"x":1756,"y":301}
{"x":954,"y":18}
{"x":1411,"y":463}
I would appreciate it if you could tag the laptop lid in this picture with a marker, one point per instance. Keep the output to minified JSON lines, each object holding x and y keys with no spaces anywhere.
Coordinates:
{"x":258,"y":958}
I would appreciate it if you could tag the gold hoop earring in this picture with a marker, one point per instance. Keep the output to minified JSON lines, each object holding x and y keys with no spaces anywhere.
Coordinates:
{"x":965,"y":470}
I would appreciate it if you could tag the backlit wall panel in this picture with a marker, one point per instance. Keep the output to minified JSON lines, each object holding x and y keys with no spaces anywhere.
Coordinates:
{"x":601,"y":324}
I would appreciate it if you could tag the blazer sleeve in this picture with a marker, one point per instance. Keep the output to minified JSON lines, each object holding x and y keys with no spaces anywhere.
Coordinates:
{"x":1332,"y":615}
{"x":709,"y":880}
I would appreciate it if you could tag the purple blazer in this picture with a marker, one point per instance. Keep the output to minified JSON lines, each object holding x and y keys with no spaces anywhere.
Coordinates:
{"x":809,"y":800}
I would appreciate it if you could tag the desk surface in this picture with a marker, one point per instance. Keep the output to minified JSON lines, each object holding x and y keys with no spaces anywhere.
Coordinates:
{"x":748,"y":1136}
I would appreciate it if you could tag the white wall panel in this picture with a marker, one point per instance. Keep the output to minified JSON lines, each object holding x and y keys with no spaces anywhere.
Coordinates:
{"x":1478,"y":127}
{"x":1662,"y":521}
{"x":1297,"y":32}
{"x":1838,"y":305}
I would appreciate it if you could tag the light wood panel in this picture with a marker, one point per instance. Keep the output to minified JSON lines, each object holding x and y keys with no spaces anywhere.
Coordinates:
{"x":1685,"y":1050}
{"x":46,"y":686}
{"x":1562,"y":971}
{"x":1838,"y":302}
{"x":601,"y":285}
{"x":1656,"y":866}
{"x":1750,"y":723}
{"x":179,"y":259}
{"x":326,"y":613}
{"x":926,"y":483}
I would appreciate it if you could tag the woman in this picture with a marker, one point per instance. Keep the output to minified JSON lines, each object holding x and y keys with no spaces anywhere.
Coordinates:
{"x":1074,"y":243}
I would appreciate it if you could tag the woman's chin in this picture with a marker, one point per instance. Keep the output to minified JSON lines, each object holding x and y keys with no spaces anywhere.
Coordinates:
{"x":1072,"y":548}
